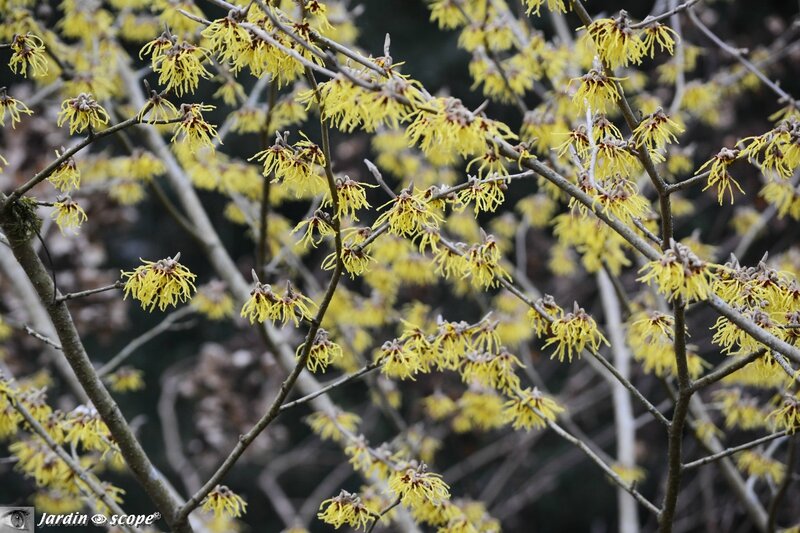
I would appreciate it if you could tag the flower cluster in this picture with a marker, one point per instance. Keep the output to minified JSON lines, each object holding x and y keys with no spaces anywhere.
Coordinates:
{"x":297,"y":166}
{"x":572,"y":332}
{"x":679,"y":273}
{"x":83,"y":112}
{"x":68,"y":215}
{"x":223,"y":501}
{"x":28,"y":51}
{"x":322,"y":353}
{"x":193,"y":129}
{"x":265,"y":304}
{"x":179,"y":65}
{"x":162,"y":283}
{"x":13,"y":107}
{"x":346,"y":508}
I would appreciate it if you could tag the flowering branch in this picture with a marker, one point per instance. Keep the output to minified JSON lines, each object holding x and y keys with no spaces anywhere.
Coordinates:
{"x":76,"y":355}
{"x":52,"y":167}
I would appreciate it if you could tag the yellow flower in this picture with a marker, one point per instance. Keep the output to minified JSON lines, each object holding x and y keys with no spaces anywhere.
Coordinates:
{"x":408,"y":214}
{"x":679,"y":273}
{"x":491,"y":370}
{"x":352,"y":197}
{"x":84,"y":426}
{"x":573,"y":332}
{"x":754,"y":464}
{"x":629,"y":474}
{"x":346,"y":508}
{"x":481,"y":264}
{"x":481,"y":410}
{"x":531,"y":409}
{"x":299,"y":166}
{"x":143,"y":166}
{"x":193,"y":129}
{"x":5,"y":332}
{"x":620,"y":197}
{"x":663,"y":36}
{"x":318,"y":224}
{"x":415,"y":486}
{"x":616,"y":43}
{"x":535,"y":6}
{"x":223,"y":501}
{"x":232,"y":93}
{"x":487,"y":195}
{"x":777,"y":150}
{"x":28,"y":50}
{"x":614,"y":157}
{"x":36,"y":460}
{"x":179,"y":65}
{"x":265,"y":304}
{"x":82,"y":112}
{"x":164,"y":282}
{"x":597,"y":91}
{"x":69,"y":215}
{"x":323,"y":352}
{"x":126,"y":379}
{"x":127,"y":192}
{"x":452,"y":130}
{"x":718,"y":173}
{"x":13,"y":107}
{"x":159,"y":108}
{"x":249,"y":120}
{"x":397,"y":361}
{"x":788,"y":415}
{"x":740,"y":411}
{"x":66,"y":177}
{"x":348,"y":106}
{"x":656,"y":131}
{"x":448,"y":14}
{"x":227,"y":38}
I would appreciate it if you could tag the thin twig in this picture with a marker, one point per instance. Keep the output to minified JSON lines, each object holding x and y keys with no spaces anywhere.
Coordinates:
{"x":47,"y":340}
{"x":165,"y":325}
{"x":732,"y":450}
{"x":382,"y":514}
{"x":89,"y":292}
{"x":674,"y":11}
{"x":739,"y":55}
{"x":328,"y":388}
{"x":727,"y":369}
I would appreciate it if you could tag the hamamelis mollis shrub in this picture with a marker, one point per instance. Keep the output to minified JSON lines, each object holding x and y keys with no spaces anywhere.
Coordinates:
{"x":410,"y":312}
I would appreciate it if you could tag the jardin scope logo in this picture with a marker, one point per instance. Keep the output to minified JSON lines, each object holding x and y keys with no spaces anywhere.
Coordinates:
{"x":16,"y":519}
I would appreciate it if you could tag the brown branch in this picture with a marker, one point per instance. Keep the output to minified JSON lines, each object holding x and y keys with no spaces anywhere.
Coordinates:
{"x":75,"y":353}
